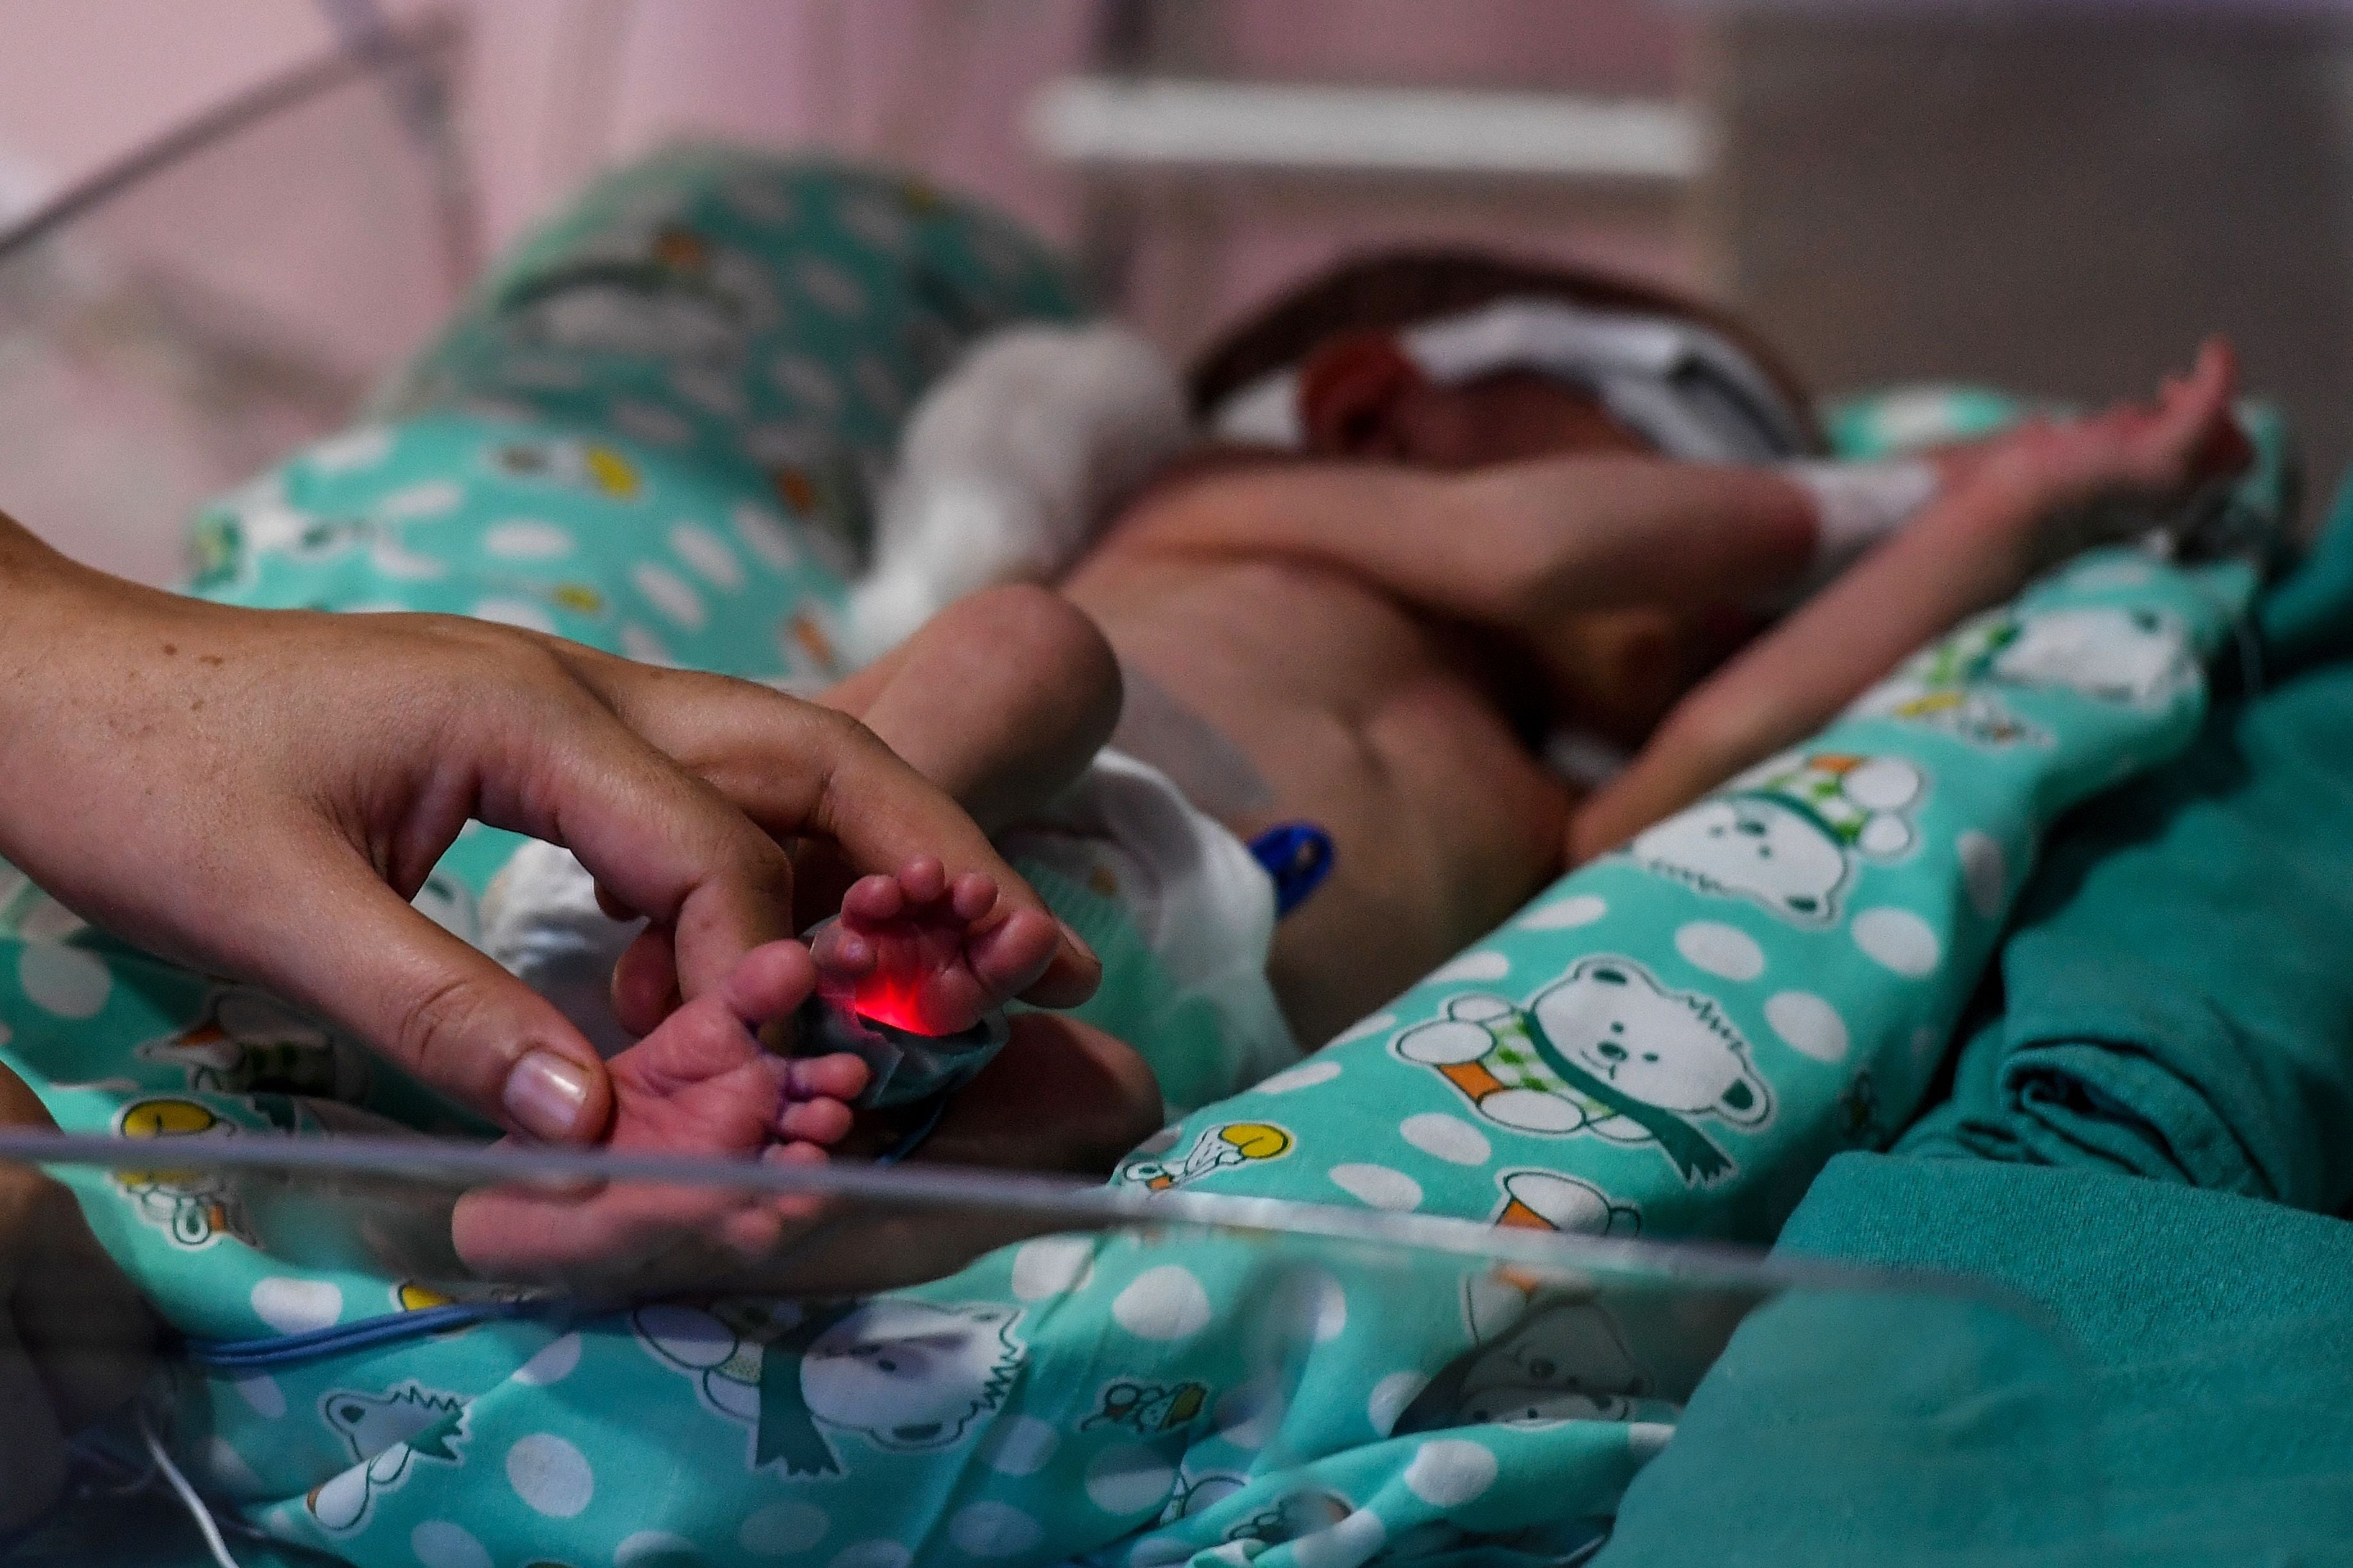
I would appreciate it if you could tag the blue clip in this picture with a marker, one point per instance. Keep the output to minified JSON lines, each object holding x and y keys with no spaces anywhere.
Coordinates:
{"x":1297,"y":855}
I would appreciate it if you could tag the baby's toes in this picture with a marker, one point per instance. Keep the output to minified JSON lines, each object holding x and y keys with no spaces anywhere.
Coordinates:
{"x":972,"y":896}
{"x":838,"y":1076}
{"x":924,"y":880}
{"x":843,"y":954}
{"x":814,"y":1121}
{"x":1010,"y":957}
{"x":873,"y":901}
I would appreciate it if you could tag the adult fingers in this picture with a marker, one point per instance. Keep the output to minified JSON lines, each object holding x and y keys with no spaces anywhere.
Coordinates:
{"x":356,"y":953}
{"x":801,"y":769}
{"x":657,"y":839}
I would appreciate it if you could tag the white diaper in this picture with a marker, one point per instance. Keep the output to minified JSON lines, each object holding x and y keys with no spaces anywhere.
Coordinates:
{"x":1183,"y":917}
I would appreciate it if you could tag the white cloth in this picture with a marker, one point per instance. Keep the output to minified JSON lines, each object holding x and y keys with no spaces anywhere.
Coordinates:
{"x":1009,"y":468}
{"x":1688,"y":391}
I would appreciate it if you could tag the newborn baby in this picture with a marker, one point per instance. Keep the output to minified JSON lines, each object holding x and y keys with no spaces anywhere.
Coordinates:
{"x":1371,"y":633}
{"x":1456,"y":541}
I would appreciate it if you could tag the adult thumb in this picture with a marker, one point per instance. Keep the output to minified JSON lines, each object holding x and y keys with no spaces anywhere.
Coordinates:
{"x":356,"y":953}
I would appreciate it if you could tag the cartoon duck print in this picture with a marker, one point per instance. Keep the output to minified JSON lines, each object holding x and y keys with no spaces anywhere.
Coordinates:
{"x":1150,"y":1408}
{"x":1287,"y":1516}
{"x":232,"y":534}
{"x":1606,"y":1051}
{"x":244,"y":1042}
{"x":385,"y":1434}
{"x":1790,"y":834}
{"x":904,"y":1376}
{"x":414,"y":1295}
{"x":194,"y":1209}
{"x":1218,"y":1148}
{"x":669,"y":293}
{"x":590,"y":467}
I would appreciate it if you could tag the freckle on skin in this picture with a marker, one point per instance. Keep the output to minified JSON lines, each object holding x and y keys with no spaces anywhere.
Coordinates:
{"x":209,"y":658}
{"x":171,"y":649}
{"x":198,"y":706}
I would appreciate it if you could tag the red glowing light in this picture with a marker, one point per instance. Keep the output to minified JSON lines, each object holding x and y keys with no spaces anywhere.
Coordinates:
{"x":889,"y":999}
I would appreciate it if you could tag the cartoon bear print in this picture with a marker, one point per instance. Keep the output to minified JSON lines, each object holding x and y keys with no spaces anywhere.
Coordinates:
{"x":1790,"y":834}
{"x":2129,"y":656}
{"x":1548,"y":1201}
{"x":905,"y":1375}
{"x":1538,"y":1358}
{"x":1606,"y":1051}
{"x":2133,"y":656}
{"x":385,"y":1434}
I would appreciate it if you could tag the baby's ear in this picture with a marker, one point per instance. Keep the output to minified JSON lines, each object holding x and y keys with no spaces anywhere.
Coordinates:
{"x":1748,"y":1102}
{"x":1349,"y":393}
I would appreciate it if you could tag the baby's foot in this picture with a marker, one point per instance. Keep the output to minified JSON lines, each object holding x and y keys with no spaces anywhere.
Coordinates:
{"x":701,"y":1084}
{"x":925,"y":954}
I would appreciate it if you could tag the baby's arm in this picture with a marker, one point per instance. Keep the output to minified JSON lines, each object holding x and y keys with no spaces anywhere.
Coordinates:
{"x":2023,"y":505}
{"x":1516,"y":547}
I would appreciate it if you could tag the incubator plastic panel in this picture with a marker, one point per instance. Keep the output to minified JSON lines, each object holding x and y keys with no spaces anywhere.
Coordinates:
{"x":1848,"y":1376}
{"x":178,"y":321}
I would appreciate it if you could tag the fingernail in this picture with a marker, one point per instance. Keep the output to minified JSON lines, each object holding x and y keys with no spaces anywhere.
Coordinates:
{"x":546,"y":1094}
{"x":1078,"y":942}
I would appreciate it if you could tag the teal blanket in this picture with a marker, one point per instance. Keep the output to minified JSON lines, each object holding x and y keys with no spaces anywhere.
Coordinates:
{"x":2172,"y":1005}
{"x":2175,"y":999}
{"x":2208,"y":1424}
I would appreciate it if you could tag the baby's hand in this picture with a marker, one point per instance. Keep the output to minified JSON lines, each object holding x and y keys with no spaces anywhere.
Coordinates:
{"x":701,"y":1083}
{"x":2153,"y":454}
{"x":924,"y":954}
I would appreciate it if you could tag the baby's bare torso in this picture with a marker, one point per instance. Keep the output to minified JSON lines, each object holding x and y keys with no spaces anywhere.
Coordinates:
{"x":1365,"y":719}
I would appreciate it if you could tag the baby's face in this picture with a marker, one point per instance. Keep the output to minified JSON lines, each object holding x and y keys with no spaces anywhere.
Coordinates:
{"x":1508,"y":418}
{"x":1361,"y":397}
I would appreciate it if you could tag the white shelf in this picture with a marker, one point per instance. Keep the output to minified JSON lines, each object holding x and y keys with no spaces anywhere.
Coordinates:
{"x":1111,"y":125}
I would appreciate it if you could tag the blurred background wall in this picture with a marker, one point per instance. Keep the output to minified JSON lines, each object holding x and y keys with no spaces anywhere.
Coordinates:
{"x":2058,"y":195}
{"x":555,"y":88}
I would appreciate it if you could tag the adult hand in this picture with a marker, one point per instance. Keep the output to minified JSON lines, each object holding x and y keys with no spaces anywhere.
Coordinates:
{"x":259,"y":794}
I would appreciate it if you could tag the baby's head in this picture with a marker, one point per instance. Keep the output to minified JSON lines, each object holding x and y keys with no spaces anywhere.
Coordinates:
{"x":1456,"y":360}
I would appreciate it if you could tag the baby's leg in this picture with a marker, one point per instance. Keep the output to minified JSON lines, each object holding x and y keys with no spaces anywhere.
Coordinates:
{"x":701,"y":1084}
{"x":1001,"y":699}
